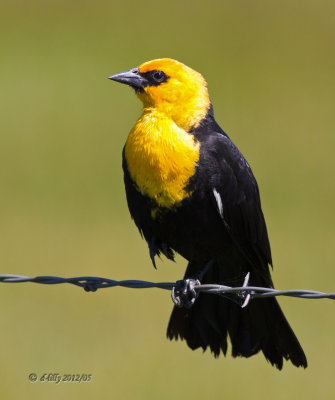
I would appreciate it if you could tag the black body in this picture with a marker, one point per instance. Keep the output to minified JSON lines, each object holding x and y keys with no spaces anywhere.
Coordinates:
{"x":238,"y":243}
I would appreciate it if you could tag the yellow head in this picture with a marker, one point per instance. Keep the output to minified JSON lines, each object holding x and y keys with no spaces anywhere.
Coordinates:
{"x":171,"y":88}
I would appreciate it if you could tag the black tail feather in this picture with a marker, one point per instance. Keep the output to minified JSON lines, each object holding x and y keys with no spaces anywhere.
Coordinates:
{"x":261,"y":326}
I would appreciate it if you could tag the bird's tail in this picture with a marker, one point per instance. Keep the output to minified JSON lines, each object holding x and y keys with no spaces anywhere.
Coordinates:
{"x":261,"y":326}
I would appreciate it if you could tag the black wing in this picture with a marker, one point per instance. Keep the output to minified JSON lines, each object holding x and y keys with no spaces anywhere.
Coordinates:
{"x":234,"y":191}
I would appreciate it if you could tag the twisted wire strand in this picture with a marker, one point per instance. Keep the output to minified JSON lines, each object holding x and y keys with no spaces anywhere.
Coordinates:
{"x":92,"y":283}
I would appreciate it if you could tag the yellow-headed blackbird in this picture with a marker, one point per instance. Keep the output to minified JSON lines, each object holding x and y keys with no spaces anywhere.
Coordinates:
{"x":191,"y":191}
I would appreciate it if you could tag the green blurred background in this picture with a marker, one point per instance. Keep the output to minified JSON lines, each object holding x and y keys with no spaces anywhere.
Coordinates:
{"x":270,"y":70}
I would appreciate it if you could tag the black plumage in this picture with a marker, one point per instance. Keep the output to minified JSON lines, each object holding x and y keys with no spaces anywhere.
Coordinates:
{"x":233,"y":234}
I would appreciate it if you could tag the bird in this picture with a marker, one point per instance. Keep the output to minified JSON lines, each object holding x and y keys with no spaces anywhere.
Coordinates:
{"x":190,"y":191}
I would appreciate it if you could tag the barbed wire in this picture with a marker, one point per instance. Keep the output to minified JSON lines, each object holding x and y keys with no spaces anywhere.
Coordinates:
{"x":243,"y":294}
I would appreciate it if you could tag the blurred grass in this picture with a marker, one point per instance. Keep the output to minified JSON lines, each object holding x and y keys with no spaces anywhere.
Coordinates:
{"x":270,"y":69}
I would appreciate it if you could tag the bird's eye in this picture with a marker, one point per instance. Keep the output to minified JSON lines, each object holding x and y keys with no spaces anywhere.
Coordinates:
{"x":158,"y":76}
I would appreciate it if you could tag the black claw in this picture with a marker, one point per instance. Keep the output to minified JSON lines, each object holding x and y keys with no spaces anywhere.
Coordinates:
{"x":184,"y":294}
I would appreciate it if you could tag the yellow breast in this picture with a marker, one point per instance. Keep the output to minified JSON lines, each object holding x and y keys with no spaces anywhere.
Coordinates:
{"x":161,"y":158}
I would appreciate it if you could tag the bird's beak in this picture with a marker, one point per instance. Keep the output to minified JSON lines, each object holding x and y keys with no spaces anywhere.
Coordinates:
{"x":131,"y":77}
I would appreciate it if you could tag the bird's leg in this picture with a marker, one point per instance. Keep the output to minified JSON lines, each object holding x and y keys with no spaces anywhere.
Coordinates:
{"x":200,"y":274}
{"x":184,"y":294}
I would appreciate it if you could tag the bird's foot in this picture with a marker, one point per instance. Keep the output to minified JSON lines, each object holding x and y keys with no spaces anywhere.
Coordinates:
{"x":184,"y":294}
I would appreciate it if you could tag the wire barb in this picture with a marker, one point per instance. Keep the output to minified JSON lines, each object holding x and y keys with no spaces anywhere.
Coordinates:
{"x":246,"y":295}
{"x":245,"y":292}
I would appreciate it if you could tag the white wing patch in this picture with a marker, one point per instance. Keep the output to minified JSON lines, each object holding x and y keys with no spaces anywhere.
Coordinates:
{"x":218,"y":202}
